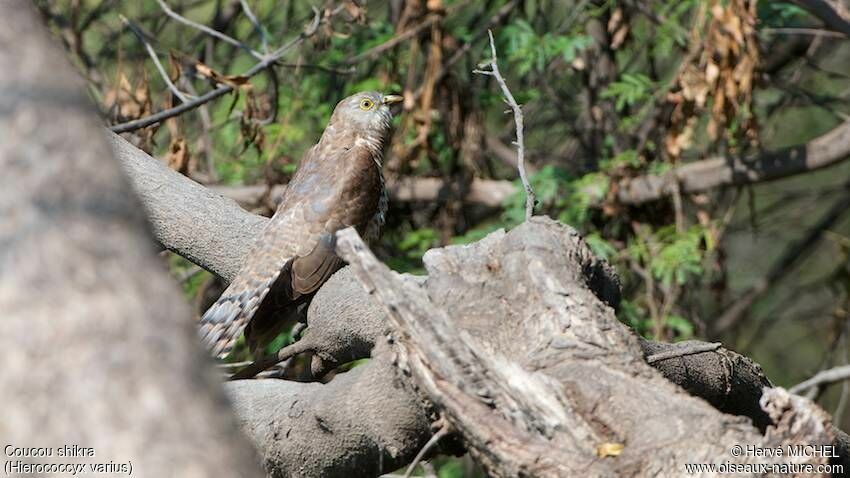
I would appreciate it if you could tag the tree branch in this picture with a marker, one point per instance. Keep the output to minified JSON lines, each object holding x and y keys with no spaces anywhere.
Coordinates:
{"x":210,"y":31}
{"x":832,"y":13}
{"x":518,"y":120}
{"x":518,"y":389}
{"x":823,"y":377}
{"x":826,"y":150}
{"x":187,"y":218}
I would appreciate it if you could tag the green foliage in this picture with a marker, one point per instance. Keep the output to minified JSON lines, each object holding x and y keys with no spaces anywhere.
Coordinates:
{"x":683,"y":328}
{"x":629,"y":90}
{"x":600,"y":246}
{"x":451,"y":469}
{"x":780,"y":14}
{"x":634,"y":316}
{"x":181,"y":267}
{"x":672,"y":256}
{"x":412,"y":245}
{"x":627,"y":159}
{"x":528,"y":51}
{"x":559,"y":194}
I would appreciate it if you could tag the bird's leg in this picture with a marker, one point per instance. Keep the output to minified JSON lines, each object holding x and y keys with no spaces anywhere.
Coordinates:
{"x":267,"y":361}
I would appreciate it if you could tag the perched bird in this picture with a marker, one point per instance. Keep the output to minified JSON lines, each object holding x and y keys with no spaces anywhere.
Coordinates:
{"x":337,"y":184}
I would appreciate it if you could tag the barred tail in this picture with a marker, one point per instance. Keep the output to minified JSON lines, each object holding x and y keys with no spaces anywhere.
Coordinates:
{"x":223,"y":323}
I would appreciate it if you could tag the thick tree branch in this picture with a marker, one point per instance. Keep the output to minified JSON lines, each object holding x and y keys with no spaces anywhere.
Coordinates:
{"x":827,"y":150}
{"x":187,"y":218}
{"x":363,"y":423}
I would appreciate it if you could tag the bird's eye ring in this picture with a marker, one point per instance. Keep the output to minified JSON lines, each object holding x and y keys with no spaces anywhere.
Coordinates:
{"x":366,"y":104}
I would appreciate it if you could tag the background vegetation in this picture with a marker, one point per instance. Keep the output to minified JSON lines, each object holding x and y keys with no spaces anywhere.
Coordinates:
{"x":611,"y":91}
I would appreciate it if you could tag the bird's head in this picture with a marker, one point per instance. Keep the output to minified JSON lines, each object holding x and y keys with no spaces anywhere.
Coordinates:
{"x":368,"y":111}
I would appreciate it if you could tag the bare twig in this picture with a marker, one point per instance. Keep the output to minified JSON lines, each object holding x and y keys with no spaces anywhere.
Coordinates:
{"x":823,"y":377}
{"x":432,"y":442}
{"x":264,"y":38}
{"x":518,"y":119}
{"x":209,"y":31}
{"x":266,"y":62}
{"x":155,"y":58}
{"x":264,"y":363}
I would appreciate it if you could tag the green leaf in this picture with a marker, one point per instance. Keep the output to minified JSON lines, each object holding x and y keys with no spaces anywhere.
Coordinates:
{"x":630,"y":89}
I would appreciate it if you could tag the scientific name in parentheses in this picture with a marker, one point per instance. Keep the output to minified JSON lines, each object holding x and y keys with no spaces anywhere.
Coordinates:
{"x":64,"y":451}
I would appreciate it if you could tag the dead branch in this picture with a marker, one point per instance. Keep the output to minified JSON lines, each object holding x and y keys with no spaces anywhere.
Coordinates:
{"x":822,"y":378}
{"x":209,"y":31}
{"x":514,"y":391}
{"x":487,"y":192}
{"x":518,"y":120}
{"x":159,"y":68}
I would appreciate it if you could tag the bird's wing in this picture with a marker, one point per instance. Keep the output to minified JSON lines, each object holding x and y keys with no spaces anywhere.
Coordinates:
{"x":295,"y":255}
{"x":267,"y":263}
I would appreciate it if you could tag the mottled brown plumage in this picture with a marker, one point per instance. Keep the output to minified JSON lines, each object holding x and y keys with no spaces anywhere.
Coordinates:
{"x":338,"y":184}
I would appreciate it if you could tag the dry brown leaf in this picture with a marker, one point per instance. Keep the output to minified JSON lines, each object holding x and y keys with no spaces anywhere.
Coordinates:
{"x":234,"y":81}
{"x":178,"y":157}
{"x":720,"y":72}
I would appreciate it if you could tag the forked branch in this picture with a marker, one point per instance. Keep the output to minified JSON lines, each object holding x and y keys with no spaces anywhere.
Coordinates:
{"x":518,"y":119}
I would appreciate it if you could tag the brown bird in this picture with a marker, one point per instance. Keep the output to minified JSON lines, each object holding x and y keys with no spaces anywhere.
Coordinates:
{"x":337,"y":184}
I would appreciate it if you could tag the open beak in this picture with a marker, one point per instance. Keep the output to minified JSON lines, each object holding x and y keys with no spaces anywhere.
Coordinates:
{"x":390,"y":99}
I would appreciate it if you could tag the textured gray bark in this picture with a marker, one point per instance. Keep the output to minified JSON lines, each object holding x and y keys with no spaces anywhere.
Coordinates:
{"x":187,"y":218}
{"x":523,"y":358}
{"x":98,"y":347}
{"x":363,"y":423}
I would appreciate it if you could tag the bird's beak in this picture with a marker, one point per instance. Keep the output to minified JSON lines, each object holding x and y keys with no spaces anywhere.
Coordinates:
{"x":390,"y":99}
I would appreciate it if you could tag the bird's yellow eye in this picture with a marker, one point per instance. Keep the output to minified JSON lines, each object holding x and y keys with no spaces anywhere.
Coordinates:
{"x":366,"y":104}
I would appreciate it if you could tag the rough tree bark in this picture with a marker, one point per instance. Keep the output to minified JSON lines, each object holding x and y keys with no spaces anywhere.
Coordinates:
{"x":98,"y":348}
